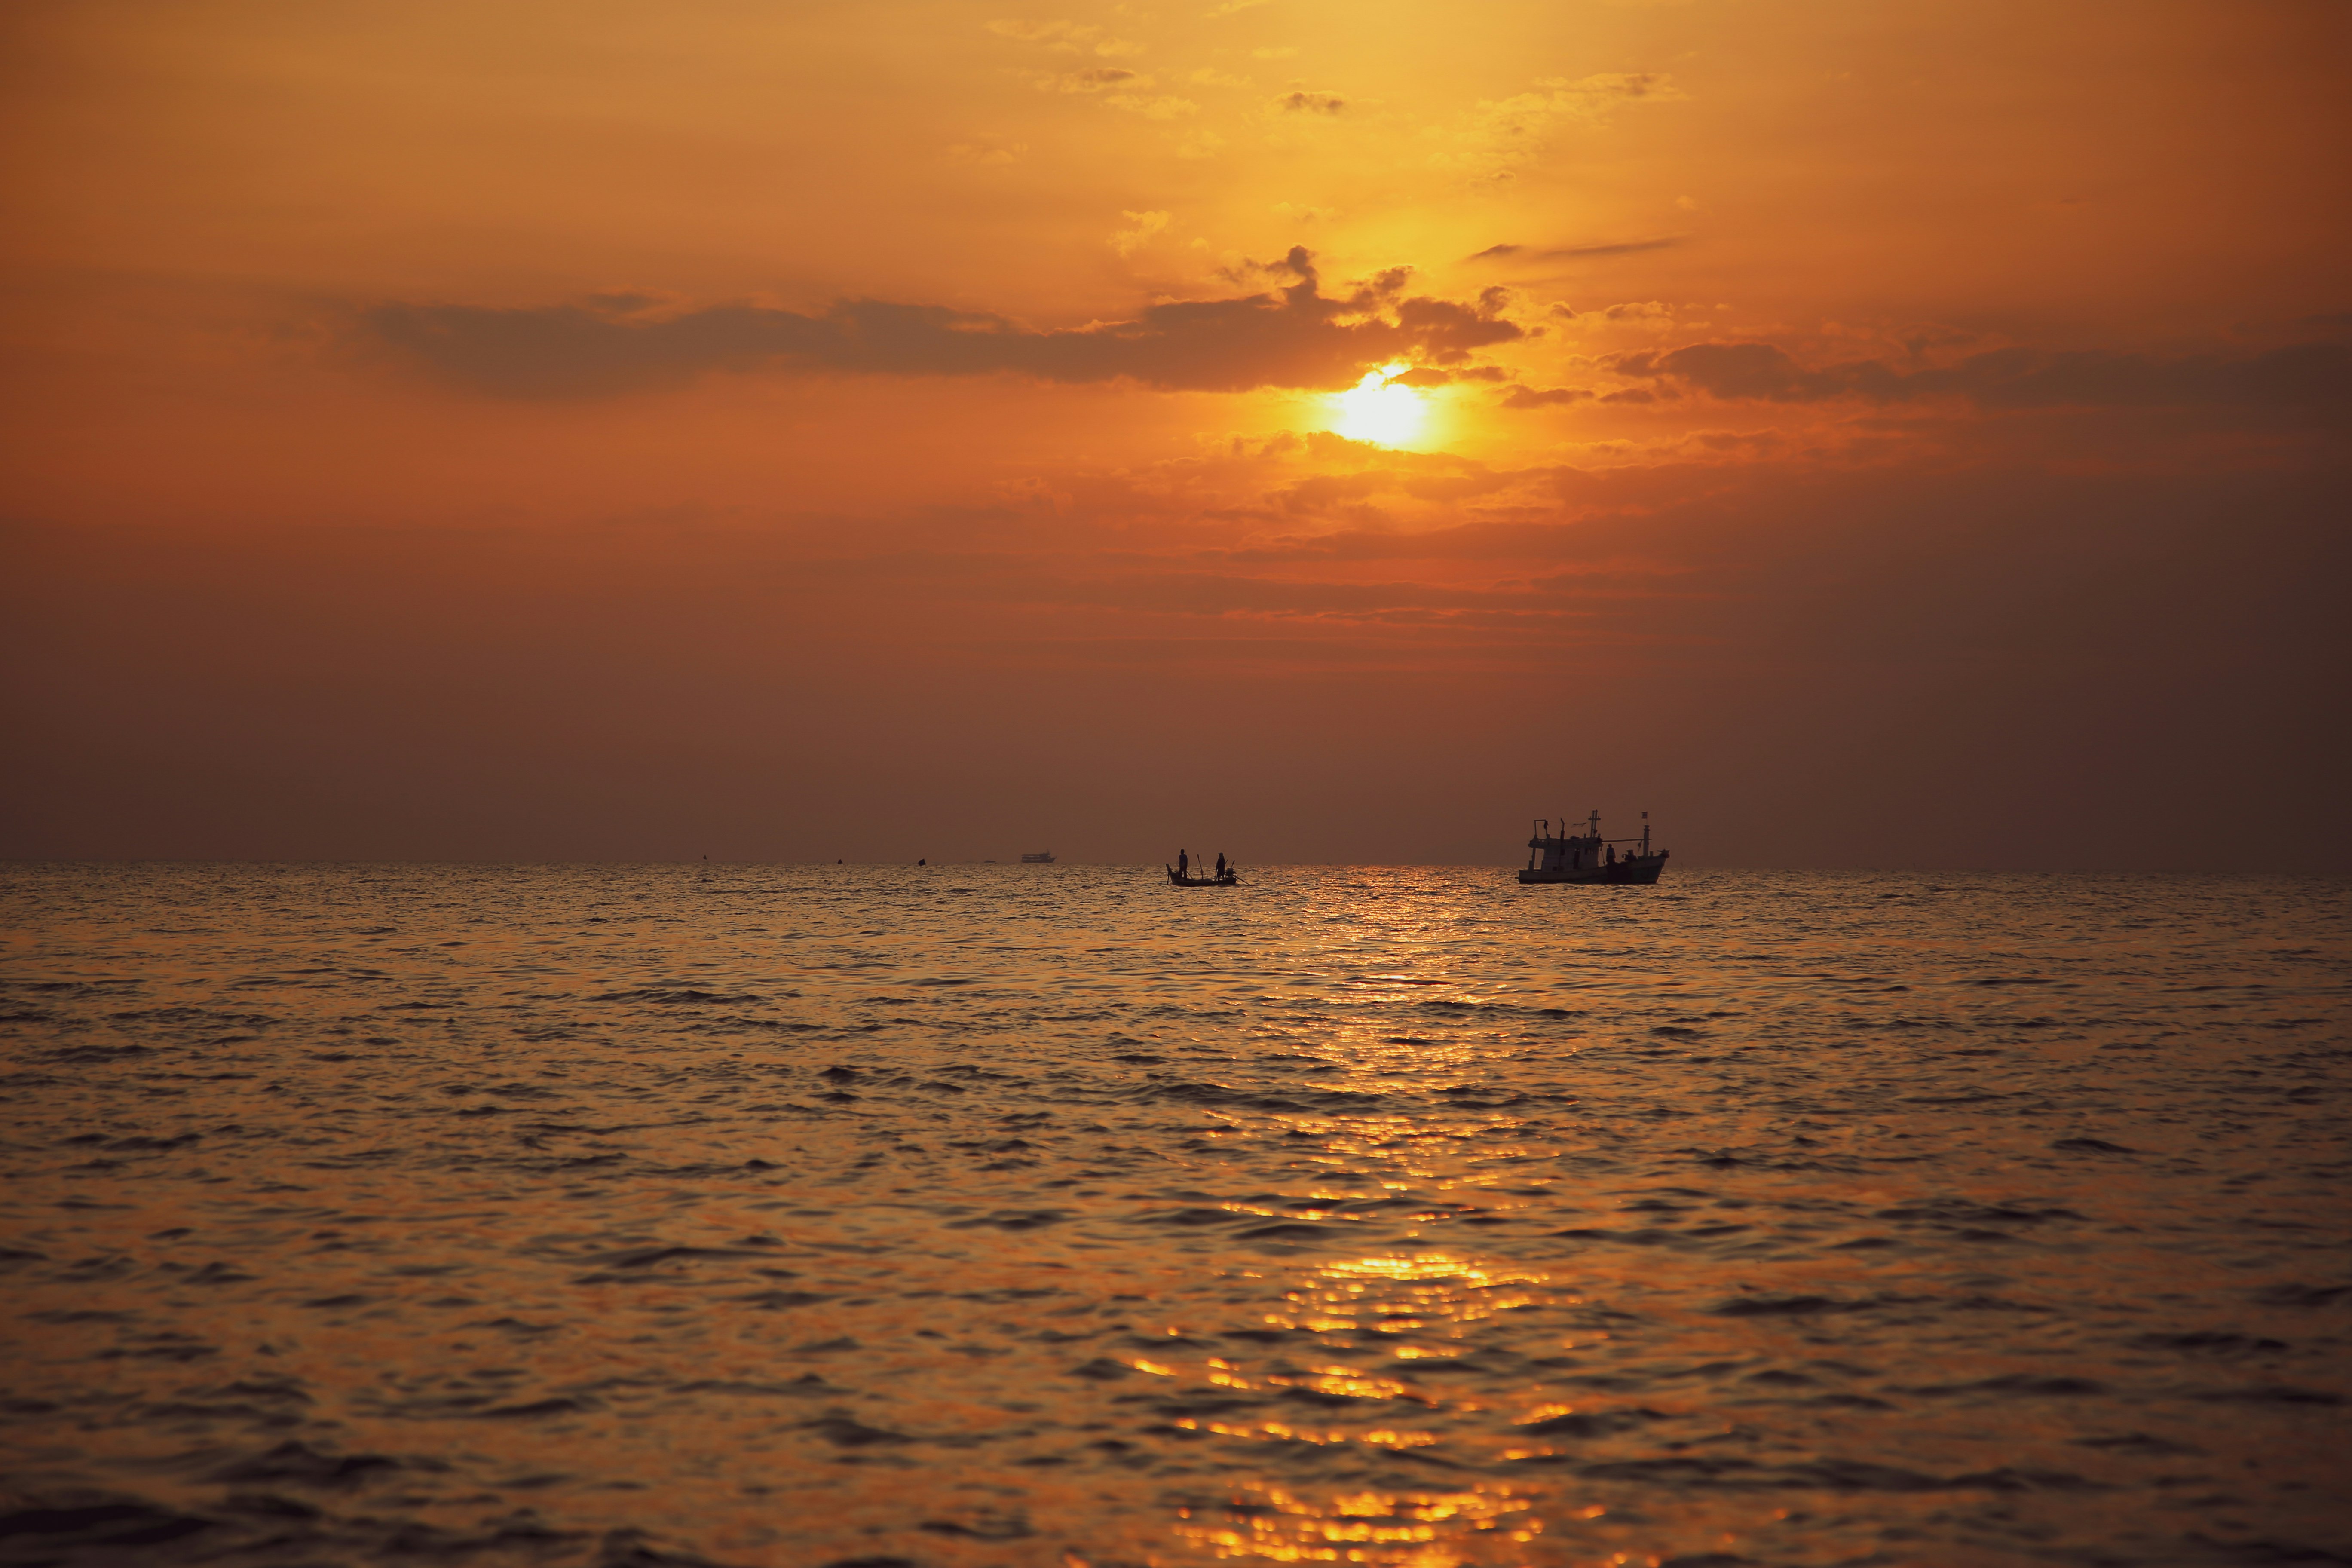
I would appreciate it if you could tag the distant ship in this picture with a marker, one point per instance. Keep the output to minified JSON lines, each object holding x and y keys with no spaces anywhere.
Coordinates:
{"x":1042,"y":857}
{"x":1587,"y":857}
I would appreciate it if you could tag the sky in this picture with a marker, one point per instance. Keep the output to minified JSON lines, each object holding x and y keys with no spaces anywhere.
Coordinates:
{"x":1858,"y":434}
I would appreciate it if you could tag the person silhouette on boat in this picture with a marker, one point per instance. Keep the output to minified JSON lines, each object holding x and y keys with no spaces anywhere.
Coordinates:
{"x":1613,"y":855}
{"x":1221,"y":862}
{"x":1183,"y":863}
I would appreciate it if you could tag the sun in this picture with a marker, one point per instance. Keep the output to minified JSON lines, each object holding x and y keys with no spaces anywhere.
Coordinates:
{"x":1377,"y":409}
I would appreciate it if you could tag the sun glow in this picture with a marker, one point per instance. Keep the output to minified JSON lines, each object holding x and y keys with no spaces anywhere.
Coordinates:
{"x":1377,"y":409}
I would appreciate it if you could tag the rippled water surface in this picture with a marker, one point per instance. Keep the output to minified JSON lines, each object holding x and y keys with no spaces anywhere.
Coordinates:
{"x":1050,"y":1215}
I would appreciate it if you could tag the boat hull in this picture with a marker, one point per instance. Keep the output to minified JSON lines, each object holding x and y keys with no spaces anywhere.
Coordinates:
{"x":1634,"y":871}
{"x":1178,"y":879}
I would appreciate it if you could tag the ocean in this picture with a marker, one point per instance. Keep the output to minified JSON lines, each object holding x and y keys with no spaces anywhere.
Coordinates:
{"x":1047,"y":1214}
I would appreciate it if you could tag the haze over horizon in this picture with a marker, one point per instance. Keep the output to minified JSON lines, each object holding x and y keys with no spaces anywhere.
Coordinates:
{"x":1862,"y":437}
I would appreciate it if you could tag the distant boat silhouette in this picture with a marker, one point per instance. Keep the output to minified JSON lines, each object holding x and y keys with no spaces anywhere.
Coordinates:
{"x":1042,"y":857}
{"x":1587,"y":858}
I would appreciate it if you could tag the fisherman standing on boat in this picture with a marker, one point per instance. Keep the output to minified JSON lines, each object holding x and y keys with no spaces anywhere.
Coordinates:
{"x":1221,"y":862}
{"x":1183,"y":862}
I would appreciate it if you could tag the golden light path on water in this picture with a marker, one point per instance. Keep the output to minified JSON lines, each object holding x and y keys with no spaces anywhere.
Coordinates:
{"x":998,"y":1218}
{"x":1422,"y":1299}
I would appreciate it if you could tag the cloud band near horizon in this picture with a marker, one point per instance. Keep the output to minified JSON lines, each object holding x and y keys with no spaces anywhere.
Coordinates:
{"x":1295,"y":337}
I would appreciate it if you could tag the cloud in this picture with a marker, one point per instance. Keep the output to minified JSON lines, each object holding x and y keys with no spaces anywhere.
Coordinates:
{"x":1305,"y":102}
{"x":1544,"y":397}
{"x":1295,"y":337}
{"x":2307,"y":374}
{"x":1568,"y":252}
{"x":1127,"y":241}
{"x":1093,"y":78}
{"x":1500,"y":137}
{"x":1063,"y":37}
{"x":1430,"y":376}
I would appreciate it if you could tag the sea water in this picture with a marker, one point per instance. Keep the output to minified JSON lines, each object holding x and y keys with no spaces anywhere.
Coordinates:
{"x":996,"y":1214}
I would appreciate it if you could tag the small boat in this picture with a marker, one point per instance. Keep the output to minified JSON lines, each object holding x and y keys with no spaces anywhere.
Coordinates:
{"x":1587,"y":858}
{"x":1225,"y":876}
{"x":1042,"y":857}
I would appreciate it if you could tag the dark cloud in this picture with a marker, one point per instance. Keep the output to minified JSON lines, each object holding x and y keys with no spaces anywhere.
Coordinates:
{"x":1294,"y":337}
{"x":1311,"y":102}
{"x":1543,"y":398}
{"x":2307,"y":374}
{"x":1559,"y":253}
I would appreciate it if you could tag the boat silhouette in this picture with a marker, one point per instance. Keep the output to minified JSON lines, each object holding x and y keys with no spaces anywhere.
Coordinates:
{"x":1588,"y":860}
{"x":1181,"y":874}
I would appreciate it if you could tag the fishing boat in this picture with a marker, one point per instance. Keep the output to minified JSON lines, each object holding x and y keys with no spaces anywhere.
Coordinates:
{"x":1042,"y":857}
{"x":1225,"y":876}
{"x":1586,"y":857}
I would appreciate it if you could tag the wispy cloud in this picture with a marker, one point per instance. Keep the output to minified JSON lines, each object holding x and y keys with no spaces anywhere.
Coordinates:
{"x":1524,"y":253}
{"x":1092,"y":79}
{"x":1502,"y":136}
{"x":1141,"y":228}
{"x":2318,"y":375}
{"x":1063,"y":38}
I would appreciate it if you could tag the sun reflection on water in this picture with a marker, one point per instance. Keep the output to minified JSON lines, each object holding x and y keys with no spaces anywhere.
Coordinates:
{"x":1361,"y":1305}
{"x":1398,"y":1530}
{"x":1433,"y":1287}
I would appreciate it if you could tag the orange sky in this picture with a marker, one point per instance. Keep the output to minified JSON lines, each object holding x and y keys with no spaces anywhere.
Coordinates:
{"x":1864,"y":435}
